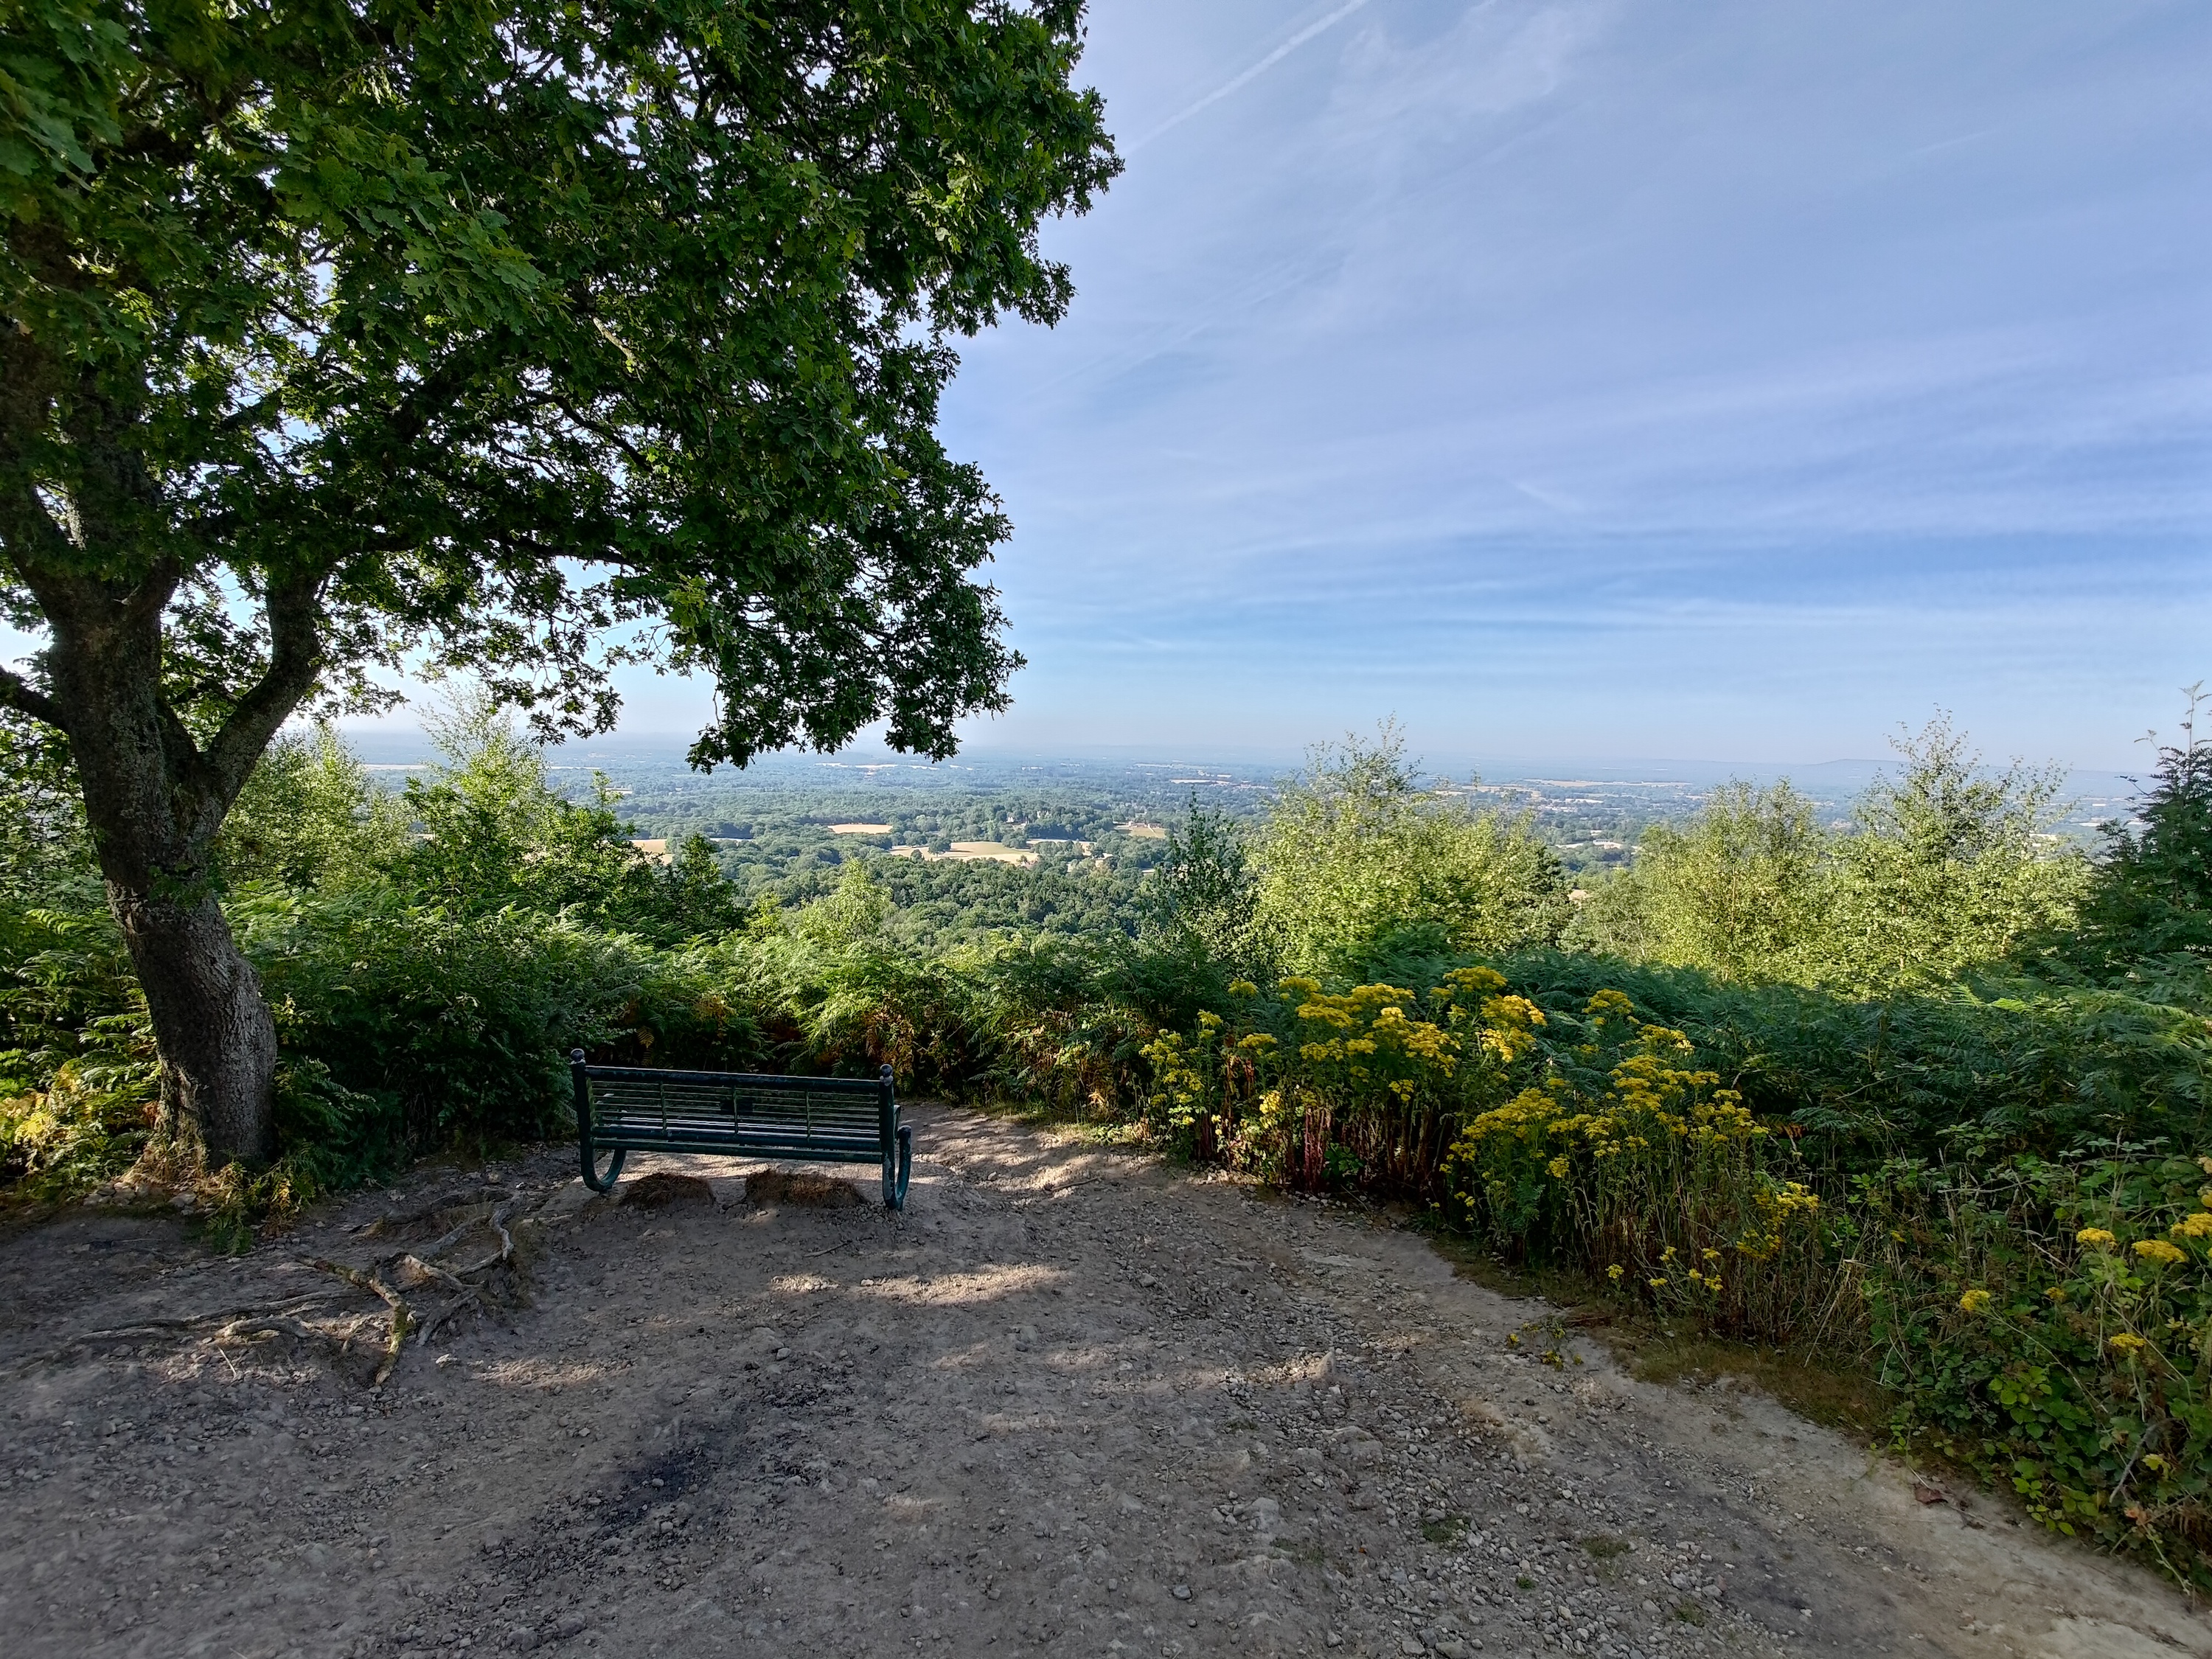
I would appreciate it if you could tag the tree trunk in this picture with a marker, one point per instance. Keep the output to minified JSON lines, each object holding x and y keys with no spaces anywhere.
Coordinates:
{"x":154,"y":799}
{"x":216,"y":1036}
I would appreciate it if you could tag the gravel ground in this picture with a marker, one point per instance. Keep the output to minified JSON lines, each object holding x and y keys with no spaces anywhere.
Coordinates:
{"x":1070,"y":1402}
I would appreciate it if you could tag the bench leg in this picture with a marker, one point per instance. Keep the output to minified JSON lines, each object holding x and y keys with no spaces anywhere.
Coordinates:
{"x":592,"y":1178}
{"x":896,"y":1172}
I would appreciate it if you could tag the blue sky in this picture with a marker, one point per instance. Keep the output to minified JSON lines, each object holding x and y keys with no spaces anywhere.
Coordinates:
{"x":1724,"y":380}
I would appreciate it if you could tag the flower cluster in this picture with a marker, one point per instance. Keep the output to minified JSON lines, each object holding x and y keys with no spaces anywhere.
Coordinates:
{"x":1639,"y":1154}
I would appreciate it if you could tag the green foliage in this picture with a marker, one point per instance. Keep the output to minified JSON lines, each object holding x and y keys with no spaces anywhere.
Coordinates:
{"x":1946,"y":869}
{"x":2146,"y":923}
{"x":2051,"y":1325}
{"x":490,"y":833}
{"x":44,"y":846}
{"x":855,"y":911}
{"x":1740,"y":890}
{"x":78,"y":1079}
{"x":1949,"y":870}
{"x":1204,"y":890}
{"x":1356,"y":854}
{"x":309,"y":817}
{"x":484,"y":329}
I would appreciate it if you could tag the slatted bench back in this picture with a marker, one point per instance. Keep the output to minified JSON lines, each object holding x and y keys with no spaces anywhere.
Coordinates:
{"x":830,"y":1120}
{"x":834,"y":1118}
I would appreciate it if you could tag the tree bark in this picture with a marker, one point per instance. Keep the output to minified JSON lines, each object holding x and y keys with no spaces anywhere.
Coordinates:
{"x":216,"y":1036}
{"x":154,"y":799}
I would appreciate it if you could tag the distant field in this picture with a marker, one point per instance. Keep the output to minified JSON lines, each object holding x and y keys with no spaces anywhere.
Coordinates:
{"x":971,"y":852}
{"x":859,"y":828}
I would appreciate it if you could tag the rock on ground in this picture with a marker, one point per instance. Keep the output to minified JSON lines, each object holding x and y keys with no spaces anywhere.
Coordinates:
{"x":1068,"y":1403}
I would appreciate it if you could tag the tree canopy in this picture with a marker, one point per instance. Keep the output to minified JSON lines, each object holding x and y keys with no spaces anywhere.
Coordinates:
{"x":345,"y":336}
{"x":472,"y":330}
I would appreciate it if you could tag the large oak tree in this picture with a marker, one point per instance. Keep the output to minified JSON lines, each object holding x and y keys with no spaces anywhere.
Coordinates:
{"x":348,"y":336}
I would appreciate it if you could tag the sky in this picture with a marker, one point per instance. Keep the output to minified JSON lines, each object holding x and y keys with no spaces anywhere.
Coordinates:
{"x":1723,"y":381}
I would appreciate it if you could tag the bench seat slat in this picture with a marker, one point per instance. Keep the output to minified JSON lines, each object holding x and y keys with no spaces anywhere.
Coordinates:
{"x":864,"y":1152}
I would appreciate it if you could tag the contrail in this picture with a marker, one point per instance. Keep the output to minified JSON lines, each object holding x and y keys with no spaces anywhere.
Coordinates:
{"x":1259,"y":69}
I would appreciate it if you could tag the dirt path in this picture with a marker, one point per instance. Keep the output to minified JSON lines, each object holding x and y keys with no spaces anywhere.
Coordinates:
{"x":1069,"y":1403}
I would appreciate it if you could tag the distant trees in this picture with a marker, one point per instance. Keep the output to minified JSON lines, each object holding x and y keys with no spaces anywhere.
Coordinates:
{"x":2146,"y":918}
{"x":1947,"y":867}
{"x":1357,"y":854}
{"x":1204,"y":890}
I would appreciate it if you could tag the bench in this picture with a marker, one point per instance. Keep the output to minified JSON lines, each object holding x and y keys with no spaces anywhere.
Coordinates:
{"x":816,"y":1120}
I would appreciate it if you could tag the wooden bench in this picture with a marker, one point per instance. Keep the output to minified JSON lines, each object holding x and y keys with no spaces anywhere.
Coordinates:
{"x":816,"y":1120}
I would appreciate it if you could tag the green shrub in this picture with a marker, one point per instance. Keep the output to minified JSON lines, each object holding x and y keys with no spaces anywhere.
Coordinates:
{"x":459,"y":1024}
{"x":2051,"y":1325}
{"x":1356,"y":852}
{"x":1635,"y":1162}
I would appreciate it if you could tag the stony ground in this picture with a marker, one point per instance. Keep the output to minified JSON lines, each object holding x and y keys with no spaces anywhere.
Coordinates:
{"x":1068,"y":1403}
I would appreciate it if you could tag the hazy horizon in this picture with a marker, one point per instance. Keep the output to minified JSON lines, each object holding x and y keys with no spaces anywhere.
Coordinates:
{"x":394,"y":742}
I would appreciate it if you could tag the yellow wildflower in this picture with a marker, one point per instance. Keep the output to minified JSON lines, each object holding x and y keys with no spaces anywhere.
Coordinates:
{"x":1242,"y":987}
{"x":1615,"y":1272}
{"x":2056,"y":1293}
{"x":2157,"y":1249}
{"x":1656,"y":1283}
{"x":1975,"y":1301}
{"x":1557,"y":1166}
{"x":2127,"y":1342}
{"x":2096,"y":1238}
{"x":2197,"y":1224}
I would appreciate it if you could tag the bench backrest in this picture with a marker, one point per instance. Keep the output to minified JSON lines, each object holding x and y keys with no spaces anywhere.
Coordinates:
{"x":744,"y":1109}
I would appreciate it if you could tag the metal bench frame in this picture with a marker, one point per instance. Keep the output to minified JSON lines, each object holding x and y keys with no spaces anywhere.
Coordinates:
{"x":621,"y":1109}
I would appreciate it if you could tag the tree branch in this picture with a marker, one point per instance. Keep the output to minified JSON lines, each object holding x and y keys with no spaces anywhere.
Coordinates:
{"x":17,"y":692}
{"x":295,"y":661}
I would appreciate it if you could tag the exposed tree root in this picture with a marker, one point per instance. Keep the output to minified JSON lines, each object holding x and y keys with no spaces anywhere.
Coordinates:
{"x":437,"y":1321}
{"x":403,"y":1316}
{"x":245,"y":1330}
{"x":505,"y":1251}
{"x":418,"y":1268}
{"x":393,"y":1221}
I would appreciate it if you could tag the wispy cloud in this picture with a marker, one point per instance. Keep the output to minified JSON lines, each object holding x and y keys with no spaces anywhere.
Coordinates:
{"x":1229,"y":89}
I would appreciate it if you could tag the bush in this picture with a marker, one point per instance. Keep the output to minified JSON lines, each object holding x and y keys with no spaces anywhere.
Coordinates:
{"x":1356,"y":852}
{"x":1947,"y":870}
{"x":1636,"y":1163}
{"x":460,"y":1026}
{"x":2051,"y":1325}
